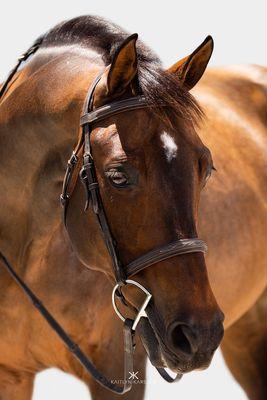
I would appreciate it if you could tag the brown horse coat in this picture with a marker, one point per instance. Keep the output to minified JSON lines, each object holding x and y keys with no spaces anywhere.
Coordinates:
{"x":234,"y":100}
{"x":232,"y":220}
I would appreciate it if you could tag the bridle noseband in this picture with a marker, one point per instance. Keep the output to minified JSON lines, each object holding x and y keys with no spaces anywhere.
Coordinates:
{"x":122,"y":273}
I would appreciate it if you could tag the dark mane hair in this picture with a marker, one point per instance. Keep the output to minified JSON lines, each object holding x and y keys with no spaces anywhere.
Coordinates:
{"x":161,"y":88}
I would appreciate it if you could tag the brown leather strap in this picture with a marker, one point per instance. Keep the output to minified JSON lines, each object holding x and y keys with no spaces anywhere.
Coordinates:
{"x":168,"y":378}
{"x":182,"y":246}
{"x":21,"y":59}
{"x":133,"y":103}
{"x":129,"y":346}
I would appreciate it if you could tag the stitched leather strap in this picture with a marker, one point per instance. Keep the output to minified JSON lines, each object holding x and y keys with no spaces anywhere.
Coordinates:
{"x":182,"y":246}
{"x":133,"y":103}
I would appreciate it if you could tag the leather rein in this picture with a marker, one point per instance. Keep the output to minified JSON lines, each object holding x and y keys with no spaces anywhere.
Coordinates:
{"x":122,"y":273}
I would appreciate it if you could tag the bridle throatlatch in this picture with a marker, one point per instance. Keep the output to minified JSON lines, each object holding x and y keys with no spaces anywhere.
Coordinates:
{"x":122,"y":272}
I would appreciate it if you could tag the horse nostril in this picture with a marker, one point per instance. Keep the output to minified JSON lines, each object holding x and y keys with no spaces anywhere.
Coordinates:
{"x":182,"y":339}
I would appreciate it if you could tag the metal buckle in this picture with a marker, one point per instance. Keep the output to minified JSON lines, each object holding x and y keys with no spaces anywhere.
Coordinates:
{"x":141,"y":313}
{"x":63,"y":199}
{"x":73,"y":159}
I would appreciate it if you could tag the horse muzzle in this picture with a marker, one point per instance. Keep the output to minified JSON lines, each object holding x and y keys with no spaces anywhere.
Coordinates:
{"x":182,"y":346}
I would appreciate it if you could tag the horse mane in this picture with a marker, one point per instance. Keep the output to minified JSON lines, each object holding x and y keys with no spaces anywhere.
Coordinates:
{"x":161,"y":88}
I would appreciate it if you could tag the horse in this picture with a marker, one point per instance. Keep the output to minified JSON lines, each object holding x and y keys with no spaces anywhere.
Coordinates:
{"x":152,"y":167}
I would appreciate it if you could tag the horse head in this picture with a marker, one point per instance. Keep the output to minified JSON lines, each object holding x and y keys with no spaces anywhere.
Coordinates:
{"x":151,"y":166}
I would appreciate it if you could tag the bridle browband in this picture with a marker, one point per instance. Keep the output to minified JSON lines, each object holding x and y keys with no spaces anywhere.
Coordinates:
{"x":122,"y":273}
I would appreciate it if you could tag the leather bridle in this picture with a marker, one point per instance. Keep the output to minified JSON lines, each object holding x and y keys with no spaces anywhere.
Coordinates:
{"x":122,"y":273}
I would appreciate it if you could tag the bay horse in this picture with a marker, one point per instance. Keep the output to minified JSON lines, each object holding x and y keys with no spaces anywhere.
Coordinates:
{"x":151,"y":166}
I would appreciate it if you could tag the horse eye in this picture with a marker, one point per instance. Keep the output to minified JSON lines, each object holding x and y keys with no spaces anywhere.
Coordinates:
{"x":117,"y":178}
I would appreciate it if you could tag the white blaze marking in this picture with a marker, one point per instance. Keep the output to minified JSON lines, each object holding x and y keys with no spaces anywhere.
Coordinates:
{"x":169,"y":146}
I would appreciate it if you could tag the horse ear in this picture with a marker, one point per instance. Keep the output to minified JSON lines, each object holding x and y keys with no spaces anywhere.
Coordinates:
{"x":191,"y":68}
{"x":123,"y":67}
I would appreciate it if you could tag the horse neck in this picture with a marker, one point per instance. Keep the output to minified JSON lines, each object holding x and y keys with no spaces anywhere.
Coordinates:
{"x":39,"y":124}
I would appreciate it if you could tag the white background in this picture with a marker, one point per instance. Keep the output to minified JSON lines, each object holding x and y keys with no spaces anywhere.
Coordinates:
{"x":173,"y":29}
